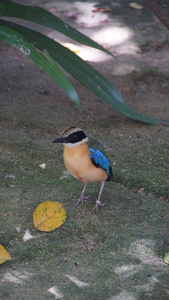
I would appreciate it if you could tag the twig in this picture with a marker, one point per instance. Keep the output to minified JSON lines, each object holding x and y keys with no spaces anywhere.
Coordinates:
{"x":158,"y":11}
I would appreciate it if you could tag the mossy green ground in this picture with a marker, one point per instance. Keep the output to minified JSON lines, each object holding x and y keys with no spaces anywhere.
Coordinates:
{"x":118,"y":253}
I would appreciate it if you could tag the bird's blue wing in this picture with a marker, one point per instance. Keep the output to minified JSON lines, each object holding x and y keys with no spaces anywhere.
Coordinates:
{"x":99,"y":157}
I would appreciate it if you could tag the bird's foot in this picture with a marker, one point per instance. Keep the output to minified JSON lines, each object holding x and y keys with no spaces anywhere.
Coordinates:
{"x":96,"y":207}
{"x":81,"y":199}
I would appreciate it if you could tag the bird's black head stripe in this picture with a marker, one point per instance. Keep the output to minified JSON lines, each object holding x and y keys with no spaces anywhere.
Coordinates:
{"x":76,"y":137}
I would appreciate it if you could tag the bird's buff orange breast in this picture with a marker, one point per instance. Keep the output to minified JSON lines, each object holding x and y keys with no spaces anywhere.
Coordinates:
{"x":78,"y":163}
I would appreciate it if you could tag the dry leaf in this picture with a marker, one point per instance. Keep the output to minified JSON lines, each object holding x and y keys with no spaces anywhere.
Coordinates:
{"x":101,"y":9}
{"x":72,"y":47}
{"x":49,"y":215}
{"x":135,"y":5}
{"x":4,"y":255}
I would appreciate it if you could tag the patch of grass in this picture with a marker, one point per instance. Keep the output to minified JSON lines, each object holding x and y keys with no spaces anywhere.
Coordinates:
{"x":156,"y":47}
{"x":144,"y":167}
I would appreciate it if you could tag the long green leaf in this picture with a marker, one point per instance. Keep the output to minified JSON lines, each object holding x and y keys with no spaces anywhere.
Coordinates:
{"x":73,"y":64}
{"x":15,"y":39}
{"x":83,"y":72}
{"x":40,"y":16}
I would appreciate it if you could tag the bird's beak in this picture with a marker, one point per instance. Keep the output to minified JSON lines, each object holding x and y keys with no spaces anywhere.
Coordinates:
{"x":58,"y":140}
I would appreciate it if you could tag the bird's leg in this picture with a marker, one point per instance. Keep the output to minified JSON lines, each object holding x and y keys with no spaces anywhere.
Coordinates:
{"x":82,"y":197}
{"x":98,"y":202}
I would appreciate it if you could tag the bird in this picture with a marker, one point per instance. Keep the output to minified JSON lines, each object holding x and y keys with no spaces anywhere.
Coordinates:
{"x":86,"y":160}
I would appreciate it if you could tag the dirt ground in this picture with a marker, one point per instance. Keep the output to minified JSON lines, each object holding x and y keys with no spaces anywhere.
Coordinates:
{"x":118,"y":253}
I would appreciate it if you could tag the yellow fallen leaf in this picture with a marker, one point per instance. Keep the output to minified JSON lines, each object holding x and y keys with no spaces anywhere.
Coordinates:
{"x":166,"y":258}
{"x":135,"y":5}
{"x":4,"y":255}
{"x":49,"y":215}
{"x":72,"y":47}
